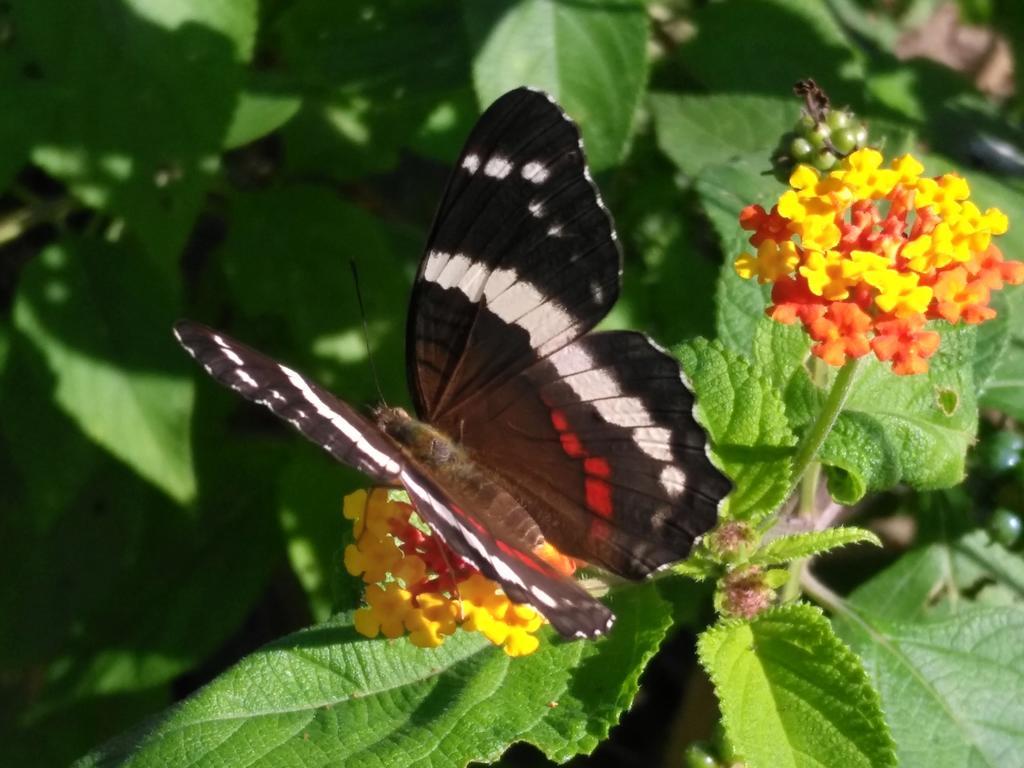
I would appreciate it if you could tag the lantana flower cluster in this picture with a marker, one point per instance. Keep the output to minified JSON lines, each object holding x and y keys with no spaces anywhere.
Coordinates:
{"x":864,"y":256}
{"x":417,"y":586}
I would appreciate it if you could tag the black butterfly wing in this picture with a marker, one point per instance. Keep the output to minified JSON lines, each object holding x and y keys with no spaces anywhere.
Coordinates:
{"x":498,"y":537}
{"x":521,"y":260}
{"x":594,"y":434}
{"x":338,"y":428}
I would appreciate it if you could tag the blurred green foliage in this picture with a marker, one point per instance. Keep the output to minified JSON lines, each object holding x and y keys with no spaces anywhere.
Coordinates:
{"x":225,"y":160}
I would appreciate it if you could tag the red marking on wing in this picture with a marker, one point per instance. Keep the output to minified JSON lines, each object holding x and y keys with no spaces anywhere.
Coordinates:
{"x":598,"y":493}
{"x":571,"y":445}
{"x":468,"y":518}
{"x":599,"y":496}
{"x":559,"y":420}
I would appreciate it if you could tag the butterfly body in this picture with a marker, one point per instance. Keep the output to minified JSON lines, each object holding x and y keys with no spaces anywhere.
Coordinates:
{"x":530,"y":429}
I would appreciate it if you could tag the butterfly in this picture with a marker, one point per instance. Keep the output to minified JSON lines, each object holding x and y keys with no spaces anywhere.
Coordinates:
{"x":529,"y":428}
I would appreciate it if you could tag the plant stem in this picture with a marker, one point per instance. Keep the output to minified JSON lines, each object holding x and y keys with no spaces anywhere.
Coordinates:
{"x":808,"y":449}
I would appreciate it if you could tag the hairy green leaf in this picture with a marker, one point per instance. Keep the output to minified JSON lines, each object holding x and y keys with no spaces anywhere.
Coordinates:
{"x":781,"y":351}
{"x":1002,"y":385}
{"x":591,"y":56}
{"x":328,"y":695}
{"x":911,"y":429}
{"x":792,"y":694}
{"x":746,"y":420}
{"x":797,"y":545}
{"x":951,"y":688}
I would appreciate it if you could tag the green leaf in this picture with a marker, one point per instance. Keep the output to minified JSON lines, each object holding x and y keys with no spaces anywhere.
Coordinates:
{"x":591,"y":56}
{"x":993,"y":341}
{"x":934,"y":579}
{"x":794,"y":546}
{"x":909,"y":429}
{"x":128,"y":103}
{"x":101,"y":318}
{"x":1003,"y":387}
{"x":121,"y":591}
{"x":312,"y":488}
{"x":659,"y":223}
{"x":792,"y":694}
{"x":328,"y":695}
{"x":951,"y":688}
{"x":374,"y":80}
{"x":781,"y":351}
{"x":764,"y":46}
{"x":746,"y":421}
{"x":42,"y":486}
{"x":700,"y":130}
{"x":263,"y":106}
{"x":312,"y":294}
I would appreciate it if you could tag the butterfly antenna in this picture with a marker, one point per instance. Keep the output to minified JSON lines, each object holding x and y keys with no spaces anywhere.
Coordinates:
{"x":366,"y":331}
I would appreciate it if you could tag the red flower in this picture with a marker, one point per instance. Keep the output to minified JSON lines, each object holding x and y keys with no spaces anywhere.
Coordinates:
{"x":841,"y":333}
{"x":902,"y":341}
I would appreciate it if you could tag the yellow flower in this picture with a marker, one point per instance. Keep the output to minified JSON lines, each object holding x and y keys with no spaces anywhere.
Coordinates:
{"x":520,"y":642}
{"x":863,"y":176}
{"x":410,"y":569}
{"x":372,"y":557}
{"x":432,"y":619}
{"x":354,"y":508}
{"x":943,"y":194}
{"x":405,"y":568}
{"x":908,"y":169}
{"x":898,"y":292}
{"x":828,"y":274}
{"x":388,"y":608}
{"x":923,"y":251}
{"x":866,"y":261}
{"x":772,"y":261}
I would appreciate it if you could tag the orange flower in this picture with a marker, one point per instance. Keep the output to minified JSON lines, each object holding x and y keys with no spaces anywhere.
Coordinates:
{"x":864,"y":255}
{"x":904,"y":343}
{"x":841,"y":333}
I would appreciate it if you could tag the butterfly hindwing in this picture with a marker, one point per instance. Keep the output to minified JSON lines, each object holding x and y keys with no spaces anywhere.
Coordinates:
{"x":600,"y":441}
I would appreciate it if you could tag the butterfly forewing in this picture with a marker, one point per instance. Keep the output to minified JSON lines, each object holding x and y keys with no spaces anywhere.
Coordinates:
{"x":522,"y":257}
{"x":316,"y":413}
